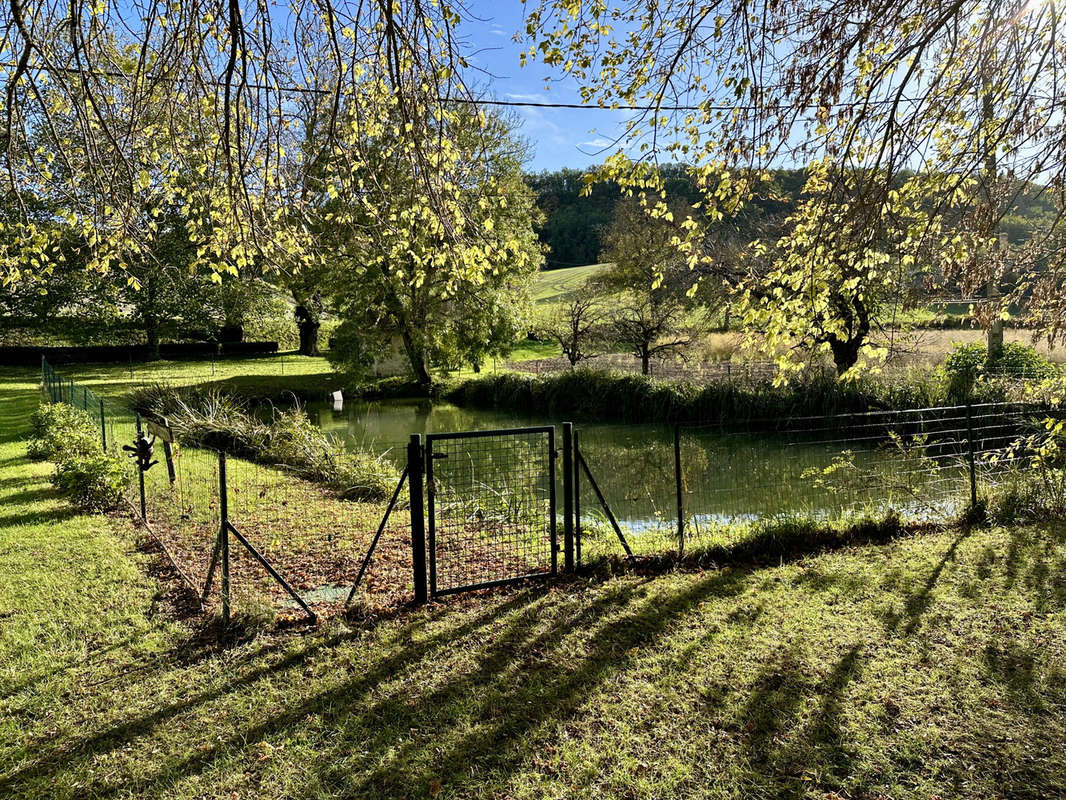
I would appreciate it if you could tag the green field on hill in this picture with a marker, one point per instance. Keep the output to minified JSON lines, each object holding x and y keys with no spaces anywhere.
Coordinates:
{"x":558,"y":284}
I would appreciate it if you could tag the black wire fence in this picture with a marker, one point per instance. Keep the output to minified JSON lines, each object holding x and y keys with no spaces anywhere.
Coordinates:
{"x":716,"y":482}
{"x":481,"y":508}
{"x":243,"y":535}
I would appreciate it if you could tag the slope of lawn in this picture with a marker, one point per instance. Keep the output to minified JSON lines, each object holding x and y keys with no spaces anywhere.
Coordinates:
{"x":558,"y":284}
{"x":114,"y":380}
{"x":930,"y":667}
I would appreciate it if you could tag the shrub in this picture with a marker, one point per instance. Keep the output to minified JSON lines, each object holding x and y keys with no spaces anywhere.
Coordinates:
{"x":968,"y":374}
{"x":84,"y":473}
{"x":58,"y":429}
{"x":96,"y":481}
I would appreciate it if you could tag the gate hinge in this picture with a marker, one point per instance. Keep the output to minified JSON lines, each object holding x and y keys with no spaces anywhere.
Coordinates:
{"x":439,"y":455}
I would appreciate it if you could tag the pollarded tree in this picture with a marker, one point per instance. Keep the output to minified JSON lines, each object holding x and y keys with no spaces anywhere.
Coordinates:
{"x":962,"y":95}
{"x":831,"y":278}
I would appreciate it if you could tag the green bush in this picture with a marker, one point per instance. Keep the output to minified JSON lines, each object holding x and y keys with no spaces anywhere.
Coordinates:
{"x":968,"y":374}
{"x":95,"y":481}
{"x":1022,"y":361}
{"x":84,"y":473}
{"x":58,"y":429}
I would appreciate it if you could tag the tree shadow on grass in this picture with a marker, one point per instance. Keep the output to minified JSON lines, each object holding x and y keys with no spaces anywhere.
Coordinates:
{"x":919,"y":601}
{"x":42,"y":761}
{"x":782,"y":741}
{"x":521,"y":676}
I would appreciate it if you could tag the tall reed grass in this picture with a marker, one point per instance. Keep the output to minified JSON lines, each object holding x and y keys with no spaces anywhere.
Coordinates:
{"x":592,"y":394}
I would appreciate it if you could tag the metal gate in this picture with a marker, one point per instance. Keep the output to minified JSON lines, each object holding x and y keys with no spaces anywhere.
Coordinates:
{"x":491,"y":503}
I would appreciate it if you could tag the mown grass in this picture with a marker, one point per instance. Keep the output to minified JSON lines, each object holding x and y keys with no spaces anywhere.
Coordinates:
{"x":930,"y":666}
{"x":559,"y":284}
{"x":270,"y":374}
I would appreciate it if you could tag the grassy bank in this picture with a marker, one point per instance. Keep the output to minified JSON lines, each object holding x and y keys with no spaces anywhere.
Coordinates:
{"x":928,"y":666}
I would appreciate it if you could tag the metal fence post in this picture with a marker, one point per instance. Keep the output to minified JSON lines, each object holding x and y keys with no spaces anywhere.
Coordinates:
{"x":973,"y":464}
{"x":223,"y":532}
{"x":415,"y":476}
{"x":103,"y":427}
{"x":568,"y":496}
{"x":680,"y":498}
{"x":84,"y":398}
{"x":140,"y":477}
{"x":577,"y":502}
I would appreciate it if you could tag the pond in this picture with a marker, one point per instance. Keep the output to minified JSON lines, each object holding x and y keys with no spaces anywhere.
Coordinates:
{"x":728,"y":476}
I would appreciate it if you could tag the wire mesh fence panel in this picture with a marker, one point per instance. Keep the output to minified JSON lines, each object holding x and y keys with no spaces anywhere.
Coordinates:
{"x":633,"y":467}
{"x":313,"y":538}
{"x":184,"y":512}
{"x":491,"y":507}
{"x":916,"y":463}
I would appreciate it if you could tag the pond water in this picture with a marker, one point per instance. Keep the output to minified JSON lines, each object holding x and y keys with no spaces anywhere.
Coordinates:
{"x":728,"y":476}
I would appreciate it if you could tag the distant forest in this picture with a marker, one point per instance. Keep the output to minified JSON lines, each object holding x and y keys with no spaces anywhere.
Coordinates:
{"x":574,"y":226}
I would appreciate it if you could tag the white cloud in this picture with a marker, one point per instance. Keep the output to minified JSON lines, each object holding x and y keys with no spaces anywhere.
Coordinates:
{"x":527,"y":98}
{"x":598,"y":142}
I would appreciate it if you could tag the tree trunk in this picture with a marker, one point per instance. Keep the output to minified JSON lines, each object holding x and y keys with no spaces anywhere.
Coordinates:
{"x":416,"y":356}
{"x":645,"y":361}
{"x":151,"y":335}
{"x":845,"y":352}
{"x":231,"y":332}
{"x":309,"y":325}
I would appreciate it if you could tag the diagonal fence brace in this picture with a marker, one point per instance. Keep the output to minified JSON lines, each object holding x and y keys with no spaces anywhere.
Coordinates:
{"x":381,"y":529}
{"x":603,"y":502}
{"x":273,"y":572}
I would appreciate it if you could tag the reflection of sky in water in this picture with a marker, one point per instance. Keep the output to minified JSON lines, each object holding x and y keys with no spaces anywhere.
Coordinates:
{"x":729,"y":477}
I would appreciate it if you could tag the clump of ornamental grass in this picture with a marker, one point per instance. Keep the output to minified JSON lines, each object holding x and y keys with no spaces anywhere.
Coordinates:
{"x":222,"y":421}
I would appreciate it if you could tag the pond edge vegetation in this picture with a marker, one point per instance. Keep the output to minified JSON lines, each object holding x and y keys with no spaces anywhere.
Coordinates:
{"x":210,"y":418}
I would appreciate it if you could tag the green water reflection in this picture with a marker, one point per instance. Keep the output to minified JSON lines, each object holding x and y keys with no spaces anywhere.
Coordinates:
{"x":728,"y":476}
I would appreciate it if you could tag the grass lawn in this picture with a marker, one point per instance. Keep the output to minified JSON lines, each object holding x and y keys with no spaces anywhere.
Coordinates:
{"x":558,"y":284}
{"x":929,"y":667}
{"x":114,"y":380}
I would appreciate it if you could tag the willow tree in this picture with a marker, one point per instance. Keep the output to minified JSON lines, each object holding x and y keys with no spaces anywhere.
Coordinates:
{"x":962,"y":97}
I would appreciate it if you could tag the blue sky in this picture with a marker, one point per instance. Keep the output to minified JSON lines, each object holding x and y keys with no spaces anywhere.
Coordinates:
{"x":558,"y":137}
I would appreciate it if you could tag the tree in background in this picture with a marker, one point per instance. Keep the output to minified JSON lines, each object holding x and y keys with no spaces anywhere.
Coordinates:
{"x":962,"y":96}
{"x":577,"y":325}
{"x":831,"y":278}
{"x":651,"y":304}
{"x":452,"y":287}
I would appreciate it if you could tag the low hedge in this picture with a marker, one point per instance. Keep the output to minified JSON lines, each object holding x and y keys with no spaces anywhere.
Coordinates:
{"x":84,"y":473}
